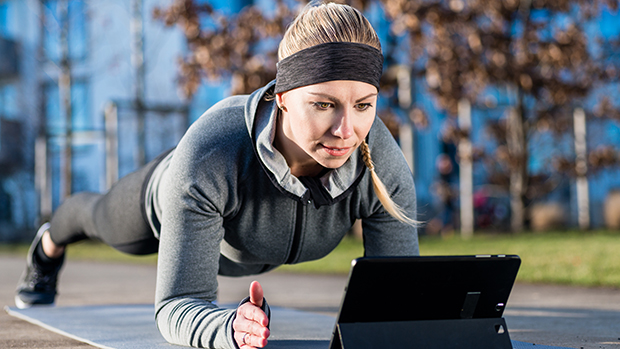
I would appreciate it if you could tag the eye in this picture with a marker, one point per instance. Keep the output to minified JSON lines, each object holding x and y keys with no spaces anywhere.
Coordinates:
{"x":323,"y":105}
{"x":363,"y":106}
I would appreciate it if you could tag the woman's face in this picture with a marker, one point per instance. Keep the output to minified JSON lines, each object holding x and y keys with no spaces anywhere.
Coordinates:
{"x":322,"y":124}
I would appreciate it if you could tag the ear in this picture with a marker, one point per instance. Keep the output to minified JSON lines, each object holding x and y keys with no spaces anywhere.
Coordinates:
{"x":280,"y":101}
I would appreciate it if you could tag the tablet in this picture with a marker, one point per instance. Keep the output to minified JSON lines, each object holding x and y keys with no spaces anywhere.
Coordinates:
{"x":391,"y":289}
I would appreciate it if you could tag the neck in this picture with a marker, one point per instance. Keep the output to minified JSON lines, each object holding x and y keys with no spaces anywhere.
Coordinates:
{"x":308,"y":171}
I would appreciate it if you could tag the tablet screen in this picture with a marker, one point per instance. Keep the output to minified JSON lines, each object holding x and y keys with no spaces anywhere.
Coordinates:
{"x":428,"y":288}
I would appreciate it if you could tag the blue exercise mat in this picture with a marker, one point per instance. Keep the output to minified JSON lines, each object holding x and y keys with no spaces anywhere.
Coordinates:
{"x":133,"y":327}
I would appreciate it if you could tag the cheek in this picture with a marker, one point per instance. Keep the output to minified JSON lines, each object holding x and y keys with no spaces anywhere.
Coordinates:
{"x":312,"y":126}
{"x":363,"y":127}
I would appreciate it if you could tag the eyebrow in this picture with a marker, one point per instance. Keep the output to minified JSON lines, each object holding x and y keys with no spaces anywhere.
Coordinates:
{"x":336,"y":100}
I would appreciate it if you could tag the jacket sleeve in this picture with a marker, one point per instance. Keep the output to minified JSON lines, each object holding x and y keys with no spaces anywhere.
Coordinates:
{"x":187,"y":276}
{"x":383,"y":234}
{"x":188,"y":262}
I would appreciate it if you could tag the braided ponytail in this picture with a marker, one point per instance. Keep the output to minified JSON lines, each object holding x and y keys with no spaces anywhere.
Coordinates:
{"x":390,"y":206}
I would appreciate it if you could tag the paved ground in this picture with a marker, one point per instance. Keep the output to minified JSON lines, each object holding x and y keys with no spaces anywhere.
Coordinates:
{"x":552,"y":315}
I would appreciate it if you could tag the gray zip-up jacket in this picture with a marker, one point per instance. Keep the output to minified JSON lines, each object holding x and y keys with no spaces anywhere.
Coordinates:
{"x":225,"y":202}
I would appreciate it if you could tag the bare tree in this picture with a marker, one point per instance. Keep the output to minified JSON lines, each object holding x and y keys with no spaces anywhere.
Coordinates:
{"x":537,"y":50}
{"x":237,"y":47}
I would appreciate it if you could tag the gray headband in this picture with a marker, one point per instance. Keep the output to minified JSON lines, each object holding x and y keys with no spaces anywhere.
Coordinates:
{"x":328,"y":62}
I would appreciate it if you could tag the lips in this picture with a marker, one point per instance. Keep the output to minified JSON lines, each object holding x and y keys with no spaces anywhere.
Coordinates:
{"x":336,"y":151}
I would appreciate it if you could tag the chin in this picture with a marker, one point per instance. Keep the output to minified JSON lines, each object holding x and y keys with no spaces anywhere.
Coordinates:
{"x":333,"y":164}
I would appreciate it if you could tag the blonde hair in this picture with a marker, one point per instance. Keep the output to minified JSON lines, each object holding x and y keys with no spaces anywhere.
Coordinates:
{"x":321,"y":23}
{"x":381,"y":191}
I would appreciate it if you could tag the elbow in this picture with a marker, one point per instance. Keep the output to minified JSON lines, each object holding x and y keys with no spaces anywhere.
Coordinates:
{"x":169,"y":325}
{"x":165,"y":328}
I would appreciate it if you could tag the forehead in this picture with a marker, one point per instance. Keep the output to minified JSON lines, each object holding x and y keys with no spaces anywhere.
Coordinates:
{"x":340,"y":89}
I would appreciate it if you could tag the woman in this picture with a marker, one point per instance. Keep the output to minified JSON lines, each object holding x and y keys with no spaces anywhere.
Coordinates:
{"x":276,"y":177}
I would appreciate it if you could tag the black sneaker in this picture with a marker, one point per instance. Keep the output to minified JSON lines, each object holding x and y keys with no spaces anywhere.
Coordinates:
{"x":38,"y":283}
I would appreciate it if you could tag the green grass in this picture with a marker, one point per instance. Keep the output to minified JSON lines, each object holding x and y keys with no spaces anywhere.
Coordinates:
{"x":337,"y":262}
{"x":88,"y":251}
{"x":571,"y":258}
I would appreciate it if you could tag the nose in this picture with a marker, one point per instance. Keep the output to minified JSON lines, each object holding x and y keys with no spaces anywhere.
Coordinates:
{"x":343,"y":125}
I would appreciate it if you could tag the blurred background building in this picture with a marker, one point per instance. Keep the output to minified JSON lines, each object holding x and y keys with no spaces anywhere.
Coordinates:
{"x":89,"y":91}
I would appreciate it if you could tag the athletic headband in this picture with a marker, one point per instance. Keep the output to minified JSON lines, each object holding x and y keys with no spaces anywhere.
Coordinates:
{"x":328,"y":62}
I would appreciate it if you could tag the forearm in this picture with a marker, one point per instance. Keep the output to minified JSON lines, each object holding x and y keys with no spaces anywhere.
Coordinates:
{"x":196,"y":323}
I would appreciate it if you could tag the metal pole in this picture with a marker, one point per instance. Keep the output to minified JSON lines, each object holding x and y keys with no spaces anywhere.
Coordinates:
{"x":64,"y":88}
{"x":581,"y":167}
{"x":42,"y":183}
{"x":42,"y":173}
{"x":466,"y":183}
{"x":137,"y":59}
{"x":518,"y":175}
{"x":406,"y":137}
{"x":111,"y":144}
{"x":405,"y":97}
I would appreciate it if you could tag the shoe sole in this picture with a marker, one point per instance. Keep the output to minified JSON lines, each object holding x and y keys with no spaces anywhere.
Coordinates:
{"x":22,"y":305}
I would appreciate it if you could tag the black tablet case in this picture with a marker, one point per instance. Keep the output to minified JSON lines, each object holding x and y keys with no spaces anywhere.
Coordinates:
{"x":426,"y":302}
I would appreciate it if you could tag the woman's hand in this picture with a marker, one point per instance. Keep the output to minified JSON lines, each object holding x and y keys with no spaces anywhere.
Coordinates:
{"x":251,"y":322}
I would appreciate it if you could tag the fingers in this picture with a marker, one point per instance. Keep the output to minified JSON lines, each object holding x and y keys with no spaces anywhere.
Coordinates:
{"x":251,"y":319}
{"x":256,"y":294}
{"x":249,"y":341}
{"x":249,"y":316}
{"x":250,"y":325}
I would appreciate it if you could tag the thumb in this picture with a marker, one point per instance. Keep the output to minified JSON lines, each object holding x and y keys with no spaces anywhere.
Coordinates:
{"x":256,"y":294}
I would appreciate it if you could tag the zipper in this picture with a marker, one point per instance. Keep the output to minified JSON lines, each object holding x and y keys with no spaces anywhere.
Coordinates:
{"x":297,"y":234}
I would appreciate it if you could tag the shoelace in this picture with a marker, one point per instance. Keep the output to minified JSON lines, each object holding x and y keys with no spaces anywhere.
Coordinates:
{"x":41,"y":280}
